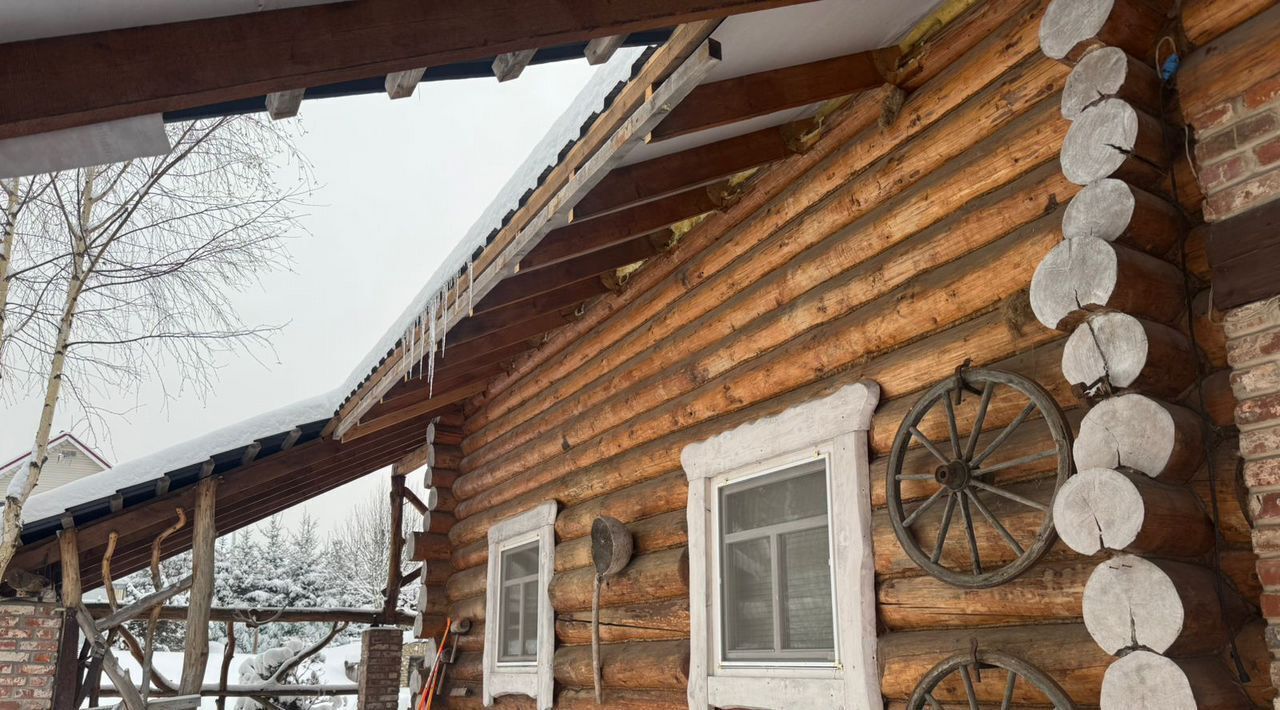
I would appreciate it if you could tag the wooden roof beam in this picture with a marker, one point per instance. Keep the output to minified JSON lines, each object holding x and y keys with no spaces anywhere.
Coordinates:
{"x":76,"y":80}
{"x":732,"y":100}
{"x":284,"y":104}
{"x":511,"y":65}
{"x":641,"y":182}
{"x":438,"y":401}
{"x":401,"y":84}
{"x":581,"y":237}
{"x":601,"y":49}
{"x":533,"y":282}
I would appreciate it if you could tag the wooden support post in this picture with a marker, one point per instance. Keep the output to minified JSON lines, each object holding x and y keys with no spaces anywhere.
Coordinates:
{"x":284,"y":104}
{"x":69,"y":550}
{"x":396,"y":544}
{"x":601,"y":49}
{"x":196,"y":651}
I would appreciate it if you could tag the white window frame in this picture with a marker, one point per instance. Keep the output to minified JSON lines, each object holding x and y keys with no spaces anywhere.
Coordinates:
{"x":533,"y":678}
{"x":833,"y":428}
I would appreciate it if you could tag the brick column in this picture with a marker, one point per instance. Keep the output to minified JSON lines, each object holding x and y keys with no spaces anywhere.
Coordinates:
{"x":379,"y":669}
{"x":1238,"y":156}
{"x":30,"y":636}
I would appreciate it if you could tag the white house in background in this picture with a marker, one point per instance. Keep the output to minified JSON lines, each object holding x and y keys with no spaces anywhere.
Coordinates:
{"x":69,"y":460}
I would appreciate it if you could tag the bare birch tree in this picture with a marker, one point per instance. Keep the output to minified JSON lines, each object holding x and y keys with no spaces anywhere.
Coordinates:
{"x":128,"y":273}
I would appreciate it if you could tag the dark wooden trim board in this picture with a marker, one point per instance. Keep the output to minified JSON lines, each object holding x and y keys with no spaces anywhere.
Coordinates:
{"x":1244,"y":254}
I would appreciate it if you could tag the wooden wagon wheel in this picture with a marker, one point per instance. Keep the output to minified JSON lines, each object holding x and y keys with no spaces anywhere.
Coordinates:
{"x":969,"y":669}
{"x":964,"y":475}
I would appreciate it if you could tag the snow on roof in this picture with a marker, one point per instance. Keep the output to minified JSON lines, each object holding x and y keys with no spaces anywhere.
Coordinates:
{"x":572,"y":124}
{"x":151,"y":467}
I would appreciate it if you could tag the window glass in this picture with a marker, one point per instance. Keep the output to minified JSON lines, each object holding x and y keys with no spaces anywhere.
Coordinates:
{"x":519,"y":612}
{"x":776,"y":567}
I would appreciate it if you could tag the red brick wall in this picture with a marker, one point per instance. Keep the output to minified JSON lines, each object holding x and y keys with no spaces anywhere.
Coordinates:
{"x":1238,"y":151}
{"x":379,"y":669}
{"x":30,"y":634}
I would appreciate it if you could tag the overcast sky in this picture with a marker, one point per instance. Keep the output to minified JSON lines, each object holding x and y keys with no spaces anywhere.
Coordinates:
{"x":399,"y":182}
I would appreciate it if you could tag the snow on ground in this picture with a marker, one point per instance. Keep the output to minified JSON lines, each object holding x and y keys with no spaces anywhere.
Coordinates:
{"x":170,"y":664}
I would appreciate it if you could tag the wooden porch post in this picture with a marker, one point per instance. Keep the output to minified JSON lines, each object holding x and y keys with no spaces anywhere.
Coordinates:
{"x":196,"y":655}
{"x":395,"y":547}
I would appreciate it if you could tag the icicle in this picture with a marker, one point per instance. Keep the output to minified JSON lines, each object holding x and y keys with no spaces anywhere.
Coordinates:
{"x":471,"y":282}
{"x":431,"y":345}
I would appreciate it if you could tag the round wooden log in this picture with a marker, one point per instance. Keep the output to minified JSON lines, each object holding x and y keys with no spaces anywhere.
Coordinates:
{"x":661,"y":532}
{"x":432,"y":600}
{"x":1049,"y":593}
{"x":437,"y":572}
{"x":427,"y":626}
{"x":468,"y":556}
{"x":1166,"y":607}
{"x":1113,"y":139}
{"x":468,"y":667}
{"x":651,"y":665}
{"x":1103,"y":509}
{"x":660,"y":575}
{"x":666,"y":493}
{"x":1143,"y":680}
{"x":1071,"y":28}
{"x":619,"y":699}
{"x":650,"y":621}
{"x":445,"y":456}
{"x":1081,"y":275}
{"x":1219,"y":399}
{"x":438,"y":476}
{"x":472,"y":608}
{"x":1210,"y":336}
{"x":439,"y":522}
{"x":1107,"y":72}
{"x":427,"y":546}
{"x":431,"y":498}
{"x":467,"y":583}
{"x":1162,"y":440}
{"x":1064,"y":652}
{"x":1115,"y":211}
{"x":1206,"y":20}
{"x":1129,"y":353}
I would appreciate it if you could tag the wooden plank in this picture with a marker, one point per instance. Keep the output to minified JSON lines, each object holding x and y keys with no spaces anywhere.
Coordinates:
{"x":532,"y":282}
{"x":82,"y":79}
{"x":287,"y":615}
{"x":732,"y":100}
{"x":119,"y":678}
{"x":196,"y":649}
{"x":1243,"y":253}
{"x":601,"y":49}
{"x":511,"y":65}
{"x":443,"y":399}
{"x":593,"y":234}
{"x":679,"y":64}
{"x":703,"y":165}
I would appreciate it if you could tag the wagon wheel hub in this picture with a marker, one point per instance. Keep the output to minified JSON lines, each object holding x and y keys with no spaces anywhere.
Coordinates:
{"x":954,"y":475}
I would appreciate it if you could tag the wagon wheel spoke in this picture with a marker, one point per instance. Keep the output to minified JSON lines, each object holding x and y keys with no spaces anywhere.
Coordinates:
{"x":995,"y":523}
{"x":1030,"y":458}
{"x":968,"y":687}
{"x":928,"y":444}
{"x":1008,"y":691}
{"x":952,"y":428}
{"x":933,"y":702}
{"x":972,"y":444}
{"x":969,"y":532}
{"x":1005,"y":434}
{"x":946,"y":526}
{"x":923,"y":507}
{"x":914,"y":477}
{"x":1011,"y":496}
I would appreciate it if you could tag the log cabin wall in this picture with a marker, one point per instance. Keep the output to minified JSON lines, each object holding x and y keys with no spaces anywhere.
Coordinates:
{"x":900,"y":244}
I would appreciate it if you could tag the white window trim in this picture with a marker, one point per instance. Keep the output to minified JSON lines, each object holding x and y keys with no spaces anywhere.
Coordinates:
{"x":536,"y":679}
{"x":834,"y":427}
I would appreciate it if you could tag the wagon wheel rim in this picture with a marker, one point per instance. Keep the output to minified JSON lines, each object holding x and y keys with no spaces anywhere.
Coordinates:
{"x":1013,"y":671}
{"x":965,"y":484}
